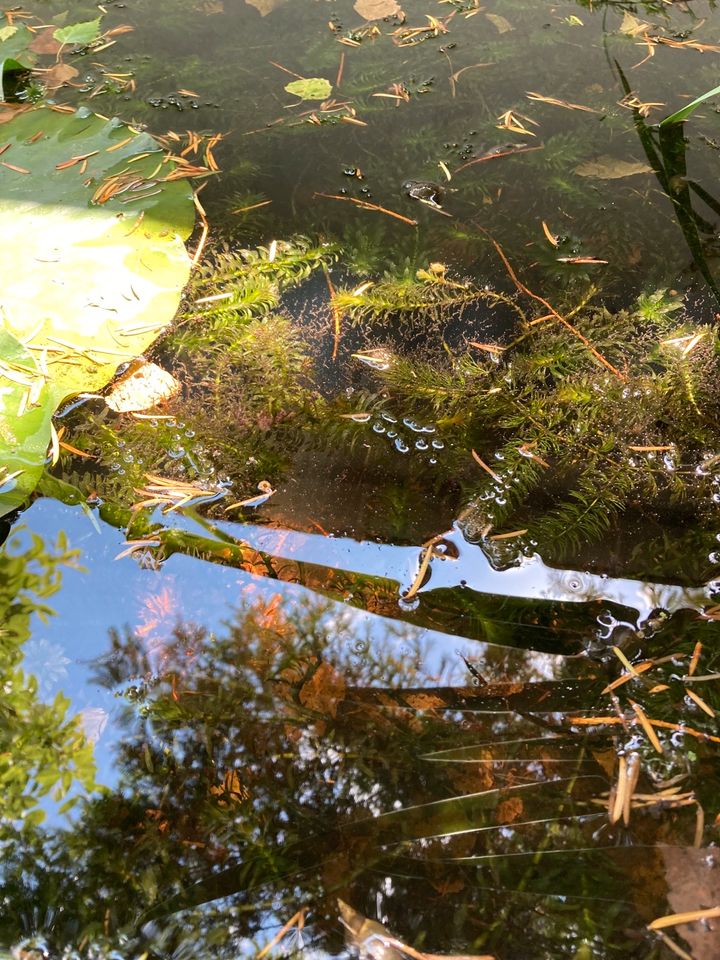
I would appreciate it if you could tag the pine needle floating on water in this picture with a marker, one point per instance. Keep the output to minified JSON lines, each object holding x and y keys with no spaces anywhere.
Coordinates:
{"x":559,"y":103}
{"x":266,"y":491}
{"x":174,"y":494}
{"x":691,"y":916}
{"x":486,"y":468}
{"x":514,"y":122}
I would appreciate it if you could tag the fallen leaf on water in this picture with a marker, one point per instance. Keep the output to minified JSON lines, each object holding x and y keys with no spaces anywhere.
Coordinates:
{"x":143,"y":386}
{"x":44,"y":42}
{"x":209,"y":7}
{"x":500,"y":23}
{"x":632,"y":27}
{"x":80,"y":34}
{"x":610,"y":168}
{"x":58,"y":75}
{"x":264,"y":7}
{"x":377,"y":9}
{"x":311,"y":88}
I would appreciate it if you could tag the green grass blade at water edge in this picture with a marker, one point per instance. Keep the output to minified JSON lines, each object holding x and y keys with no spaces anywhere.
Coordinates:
{"x":684,"y":112}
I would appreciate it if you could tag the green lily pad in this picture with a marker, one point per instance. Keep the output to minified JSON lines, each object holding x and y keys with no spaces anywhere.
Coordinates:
{"x":313,"y":88}
{"x":14,"y":53}
{"x":92,"y":269}
{"x":79,"y":33}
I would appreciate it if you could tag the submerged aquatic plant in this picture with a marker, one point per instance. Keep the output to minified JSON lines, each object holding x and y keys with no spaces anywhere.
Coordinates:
{"x":428,"y":294}
{"x":569,"y":432}
{"x":235,"y":287}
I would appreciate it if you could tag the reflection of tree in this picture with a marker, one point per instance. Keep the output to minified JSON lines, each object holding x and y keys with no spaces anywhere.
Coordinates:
{"x":42,"y":751}
{"x":272,"y":767}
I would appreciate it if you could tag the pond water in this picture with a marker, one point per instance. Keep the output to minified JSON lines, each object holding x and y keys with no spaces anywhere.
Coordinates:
{"x":442,"y":680}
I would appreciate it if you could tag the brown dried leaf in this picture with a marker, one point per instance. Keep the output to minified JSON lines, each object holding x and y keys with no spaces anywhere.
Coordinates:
{"x":632,"y":27}
{"x":44,"y":42}
{"x":377,"y":9}
{"x":264,"y":7}
{"x":143,"y":386}
{"x":209,"y":7}
{"x":58,"y":75}
{"x":500,"y":23}
{"x":610,"y":168}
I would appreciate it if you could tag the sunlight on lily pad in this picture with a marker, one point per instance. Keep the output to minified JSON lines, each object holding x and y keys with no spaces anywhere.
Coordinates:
{"x":93,"y":266}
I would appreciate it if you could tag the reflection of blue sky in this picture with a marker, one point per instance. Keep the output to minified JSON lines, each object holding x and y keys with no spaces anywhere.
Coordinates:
{"x":117,"y":593}
{"x":49,"y":664}
{"x":120,"y":593}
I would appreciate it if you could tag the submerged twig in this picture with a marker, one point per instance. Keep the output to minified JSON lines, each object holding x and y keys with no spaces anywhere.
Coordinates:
{"x":536,"y":296}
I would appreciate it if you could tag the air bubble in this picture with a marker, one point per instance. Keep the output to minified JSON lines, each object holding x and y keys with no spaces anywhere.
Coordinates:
{"x":177,"y":454}
{"x":438,"y":445}
{"x":392,"y":434}
{"x":421,"y":445}
{"x":378,"y":428}
{"x":388,"y":418}
{"x":409,"y":605}
{"x":401,"y":446}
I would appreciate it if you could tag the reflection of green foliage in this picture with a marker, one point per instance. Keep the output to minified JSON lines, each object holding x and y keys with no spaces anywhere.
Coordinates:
{"x":269,"y":766}
{"x":42,"y":750}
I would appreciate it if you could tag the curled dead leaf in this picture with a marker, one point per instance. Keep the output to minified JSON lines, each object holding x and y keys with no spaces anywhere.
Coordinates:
{"x":141,"y":387}
{"x":58,"y":75}
{"x":377,"y":9}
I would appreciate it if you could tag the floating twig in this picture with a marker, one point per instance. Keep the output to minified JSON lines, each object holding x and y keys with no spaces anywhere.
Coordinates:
{"x":366,"y":205}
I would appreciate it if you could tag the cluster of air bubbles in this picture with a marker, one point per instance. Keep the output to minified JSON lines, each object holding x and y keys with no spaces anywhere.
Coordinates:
{"x":703,"y":468}
{"x":713,"y":587}
{"x":407,"y":436}
{"x":714,"y":483}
